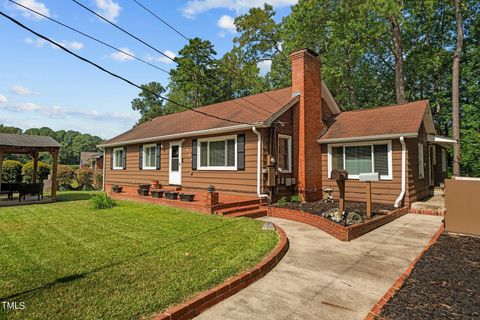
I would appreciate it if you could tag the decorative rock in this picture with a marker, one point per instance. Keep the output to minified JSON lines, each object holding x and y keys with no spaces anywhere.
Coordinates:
{"x":268,"y":226}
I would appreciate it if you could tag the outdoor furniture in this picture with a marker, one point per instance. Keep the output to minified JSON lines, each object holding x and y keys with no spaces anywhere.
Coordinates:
{"x":34,"y":189}
{"x":8,"y":193}
{"x":10,"y":188}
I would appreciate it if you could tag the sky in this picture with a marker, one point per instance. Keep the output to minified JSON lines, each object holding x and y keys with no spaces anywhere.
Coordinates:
{"x":43,"y":86}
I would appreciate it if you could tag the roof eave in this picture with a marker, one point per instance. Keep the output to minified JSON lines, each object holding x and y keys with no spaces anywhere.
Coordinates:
{"x":367,"y":138}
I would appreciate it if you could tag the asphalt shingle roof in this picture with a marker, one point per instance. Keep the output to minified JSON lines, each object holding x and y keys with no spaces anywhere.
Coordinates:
{"x":19,"y":140}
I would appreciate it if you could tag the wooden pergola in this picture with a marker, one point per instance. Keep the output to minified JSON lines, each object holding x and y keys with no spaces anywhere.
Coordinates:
{"x":32,"y":145}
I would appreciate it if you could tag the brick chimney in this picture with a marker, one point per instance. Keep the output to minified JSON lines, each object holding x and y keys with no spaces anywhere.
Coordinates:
{"x":307,"y":123}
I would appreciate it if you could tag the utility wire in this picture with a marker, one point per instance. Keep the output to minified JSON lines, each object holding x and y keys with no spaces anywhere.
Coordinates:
{"x":114,"y":74}
{"x":160,"y":52}
{"x":185,"y":37}
{"x":90,"y":37}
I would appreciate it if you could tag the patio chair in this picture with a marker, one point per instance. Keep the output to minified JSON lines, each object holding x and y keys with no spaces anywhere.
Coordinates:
{"x":34,"y":189}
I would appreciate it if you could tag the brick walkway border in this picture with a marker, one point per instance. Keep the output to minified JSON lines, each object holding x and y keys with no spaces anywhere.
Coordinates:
{"x":377,"y":308}
{"x":429,"y":212}
{"x":209,"y":298}
{"x":338,"y":231}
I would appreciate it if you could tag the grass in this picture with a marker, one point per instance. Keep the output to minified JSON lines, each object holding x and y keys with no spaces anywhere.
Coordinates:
{"x":66,"y":261}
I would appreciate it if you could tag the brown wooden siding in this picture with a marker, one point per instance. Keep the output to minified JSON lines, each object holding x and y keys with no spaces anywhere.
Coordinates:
{"x":417,"y":188}
{"x":233,"y":182}
{"x":385,"y":191}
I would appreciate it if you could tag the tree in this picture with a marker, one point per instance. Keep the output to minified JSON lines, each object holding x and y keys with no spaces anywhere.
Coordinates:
{"x":455,"y":90}
{"x":148,"y":102}
{"x":7,"y":129}
{"x":43,"y":170}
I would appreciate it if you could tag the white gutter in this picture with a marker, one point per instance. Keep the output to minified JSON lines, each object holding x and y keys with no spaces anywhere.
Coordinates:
{"x":259,"y":164}
{"x":183,"y":135}
{"x":404,"y":166}
{"x":365,"y":138}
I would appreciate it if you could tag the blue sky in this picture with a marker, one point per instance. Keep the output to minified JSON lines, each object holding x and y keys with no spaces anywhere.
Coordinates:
{"x":43,"y":86}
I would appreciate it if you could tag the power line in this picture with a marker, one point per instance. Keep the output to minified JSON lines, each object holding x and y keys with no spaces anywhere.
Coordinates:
{"x":163,"y":54}
{"x":90,"y":37}
{"x":185,"y":37}
{"x":114,"y":74}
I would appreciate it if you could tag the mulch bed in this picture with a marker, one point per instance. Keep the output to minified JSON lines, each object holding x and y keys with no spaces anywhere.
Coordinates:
{"x":319,"y":207}
{"x":444,"y":284}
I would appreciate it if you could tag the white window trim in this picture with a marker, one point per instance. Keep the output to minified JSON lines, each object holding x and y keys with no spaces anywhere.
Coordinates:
{"x":216,"y":168}
{"x":114,"y":158}
{"x":367,"y":143}
{"x":444,"y":160}
{"x":144,"y":153}
{"x":289,"y":145}
{"x":421,"y":164}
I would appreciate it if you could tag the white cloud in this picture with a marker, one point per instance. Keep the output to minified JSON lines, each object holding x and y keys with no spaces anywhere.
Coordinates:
{"x":20,"y":90}
{"x":109,"y":9}
{"x":160,"y":58}
{"x":3,"y":100}
{"x":227,"y":23}
{"x":122,"y":57}
{"x":38,"y":6}
{"x":195,"y":7}
{"x":40,"y":43}
{"x":265,"y":66}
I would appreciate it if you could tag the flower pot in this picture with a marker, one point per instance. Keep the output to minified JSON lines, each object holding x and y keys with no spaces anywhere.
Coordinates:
{"x":154,"y":184}
{"x":157,"y":193}
{"x":117,"y":189}
{"x":142,"y":192}
{"x":144,"y":186}
{"x":187,"y":197}
{"x":171,"y":195}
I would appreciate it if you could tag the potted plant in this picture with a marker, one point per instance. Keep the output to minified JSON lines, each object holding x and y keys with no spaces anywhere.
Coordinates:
{"x":171,"y":195}
{"x":116,"y":188}
{"x":187,"y":197}
{"x":143,"y":192}
{"x":144,"y":186}
{"x":157,"y":193}
{"x":155,"y":184}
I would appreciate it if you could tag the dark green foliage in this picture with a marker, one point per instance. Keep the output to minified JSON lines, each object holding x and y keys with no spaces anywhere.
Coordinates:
{"x":295,"y":198}
{"x":101,"y":201}
{"x":65,"y":177}
{"x":43,"y":171}
{"x":85,"y":178}
{"x":11,"y":171}
{"x":282,"y":202}
{"x":7,"y":129}
{"x":148,"y":104}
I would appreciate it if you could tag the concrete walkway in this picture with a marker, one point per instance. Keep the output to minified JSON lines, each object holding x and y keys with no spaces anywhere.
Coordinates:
{"x":321,"y":277}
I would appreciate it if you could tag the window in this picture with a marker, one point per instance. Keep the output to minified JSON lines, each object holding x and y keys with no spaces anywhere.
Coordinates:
{"x":362,"y":158}
{"x":421,"y":169}
{"x":118,"y":161}
{"x":444,"y":160}
{"x":285,"y":153}
{"x":218,"y":153}
{"x":150,"y":156}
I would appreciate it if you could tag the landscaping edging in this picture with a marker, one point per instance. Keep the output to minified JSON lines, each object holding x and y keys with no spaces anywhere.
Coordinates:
{"x":338,"y":231}
{"x":429,"y":212}
{"x":377,"y":308}
{"x":204,"y":300}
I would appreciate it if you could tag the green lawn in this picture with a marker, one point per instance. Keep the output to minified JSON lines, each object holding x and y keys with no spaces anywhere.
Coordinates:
{"x":66,"y":261}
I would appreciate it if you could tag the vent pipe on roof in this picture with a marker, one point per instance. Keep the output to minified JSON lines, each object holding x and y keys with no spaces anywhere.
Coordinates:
{"x":404,"y":166}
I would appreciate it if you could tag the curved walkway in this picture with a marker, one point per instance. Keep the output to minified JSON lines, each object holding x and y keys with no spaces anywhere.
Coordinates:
{"x":321,"y":277}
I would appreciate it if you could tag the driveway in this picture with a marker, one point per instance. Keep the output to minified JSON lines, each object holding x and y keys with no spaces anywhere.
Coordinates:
{"x":321,"y":277}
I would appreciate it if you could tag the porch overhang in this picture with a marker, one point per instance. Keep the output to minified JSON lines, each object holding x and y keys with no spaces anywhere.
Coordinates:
{"x":445,"y":142}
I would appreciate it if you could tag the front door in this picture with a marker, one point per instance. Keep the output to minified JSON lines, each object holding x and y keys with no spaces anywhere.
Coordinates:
{"x":175,"y":167}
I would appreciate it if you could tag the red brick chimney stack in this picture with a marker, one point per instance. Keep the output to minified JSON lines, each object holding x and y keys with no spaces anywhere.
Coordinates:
{"x":307,"y":122}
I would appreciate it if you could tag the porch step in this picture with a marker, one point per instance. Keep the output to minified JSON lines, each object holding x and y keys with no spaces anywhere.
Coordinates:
{"x":257,"y":213}
{"x":228,"y":211}
{"x":438,"y":191}
{"x":237,"y":204}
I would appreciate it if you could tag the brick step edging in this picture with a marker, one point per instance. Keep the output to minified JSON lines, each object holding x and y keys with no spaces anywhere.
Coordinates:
{"x":204,"y":300}
{"x":430,"y":212}
{"x":377,"y":308}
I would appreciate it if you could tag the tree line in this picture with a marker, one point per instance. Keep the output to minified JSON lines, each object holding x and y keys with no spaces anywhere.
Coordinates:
{"x":73,"y":142}
{"x":373,"y":53}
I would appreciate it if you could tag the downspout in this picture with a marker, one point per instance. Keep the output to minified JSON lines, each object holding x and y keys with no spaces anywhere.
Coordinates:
{"x":404,"y":166}
{"x":259,"y":164}
{"x":104,"y":170}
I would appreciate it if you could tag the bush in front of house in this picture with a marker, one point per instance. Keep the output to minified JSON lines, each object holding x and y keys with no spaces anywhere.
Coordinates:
{"x":65,"y":177}
{"x":43,"y":170}
{"x":85,"y":178}
{"x":11,"y":171}
{"x":98,"y":182}
{"x":101,"y":201}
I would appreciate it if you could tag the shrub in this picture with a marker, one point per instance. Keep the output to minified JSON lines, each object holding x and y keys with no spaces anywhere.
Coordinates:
{"x":295,"y":198}
{"x":98,"y":183}
{"x":11,"y":171}
{"x":65,"y":177}
{"x":101,"y":201}
{"x":43,"y":170}
{"x":85,"y":178}
{"x":283,"y":201}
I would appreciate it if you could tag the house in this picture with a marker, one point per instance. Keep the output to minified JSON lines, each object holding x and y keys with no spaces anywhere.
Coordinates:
{"x":285,"y":142}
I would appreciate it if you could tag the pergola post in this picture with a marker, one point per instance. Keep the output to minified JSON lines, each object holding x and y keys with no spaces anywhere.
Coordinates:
{"x":54,"y":175}
{"x":35,"y":167}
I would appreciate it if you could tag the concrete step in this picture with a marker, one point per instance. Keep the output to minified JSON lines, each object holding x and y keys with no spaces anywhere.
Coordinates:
{"x":258,"y":213}
{"x":227,"y":211}
{"x":437,"y":191}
